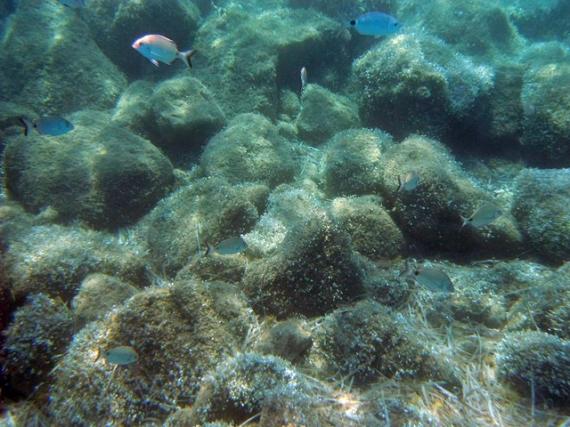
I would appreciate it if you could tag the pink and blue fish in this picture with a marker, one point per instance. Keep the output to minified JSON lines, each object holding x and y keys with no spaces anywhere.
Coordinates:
{"x":157,"y":48}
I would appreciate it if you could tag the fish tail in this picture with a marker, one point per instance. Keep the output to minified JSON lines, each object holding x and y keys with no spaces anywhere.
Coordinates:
{"x":186,"y":57}
{"x":399,"y":184}
{"x":28,"y":125}
{"x":465,"y":222}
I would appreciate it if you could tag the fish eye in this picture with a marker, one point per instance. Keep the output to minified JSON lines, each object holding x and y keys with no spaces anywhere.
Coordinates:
{"x":417,"y":273}
{"x":353,"y":23}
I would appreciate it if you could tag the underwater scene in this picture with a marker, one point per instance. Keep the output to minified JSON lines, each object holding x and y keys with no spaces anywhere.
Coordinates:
{"x":285,"y":213}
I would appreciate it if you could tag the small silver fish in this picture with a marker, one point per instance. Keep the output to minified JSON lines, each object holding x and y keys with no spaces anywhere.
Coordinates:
{"x":52,"y":126}
{"x":231,"y":246}
{"x":485,"y":215}
{"x":410,"y":182}
{"x":121,"y":355}
{"x":433,"y":278}
{"x":304,"y":79}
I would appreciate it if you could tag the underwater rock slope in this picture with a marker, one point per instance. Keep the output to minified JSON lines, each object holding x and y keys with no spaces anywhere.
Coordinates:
{"x":310,"y":213}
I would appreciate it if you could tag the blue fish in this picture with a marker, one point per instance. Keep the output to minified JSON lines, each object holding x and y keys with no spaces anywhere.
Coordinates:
{"x":52,"y":126}
{"x":375,"y":24}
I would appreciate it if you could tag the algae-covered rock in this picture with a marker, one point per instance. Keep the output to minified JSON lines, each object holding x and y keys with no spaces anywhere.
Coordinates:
{"x":289,"y":339}
{"x":179,"y":115}
{"x":541,"y":207}
{"x":184,"y":113}
{"x":115,"y":24}
{"x":504,"y":124}
{"x":495,"y":35}
{"x":353,"y":162}
{"x":54,"y":260}
{"x":536,"y":363}
{"x":50,"y":63}
{"x":546,"y":124}
{"x":38,"y":334}
{"x":311,"y":272}
{"x":539,"y":20}
{"x":287,"y":206}
{"x":432,"y":212}
{"x":369,"y":340}
{"x":544,"y":304}
{"x":229,"y":269}
{"x":97,"y":295}
{"x":332,"y":8}
{"x":9,"y":117}
{"x":178,"y":333}
{"x":323,"y":114}
{"x":247,"y":384}
{"x":247,"y":55}
{"x":384,"y":284}
{"x":98,"y":173}
{"x":413,"y":83}
{"x":372,"y":231}
{"x":476,"y":300}
{"x":249,"y":149}
{"x":207,"y":210}
{"x":133,"y":109}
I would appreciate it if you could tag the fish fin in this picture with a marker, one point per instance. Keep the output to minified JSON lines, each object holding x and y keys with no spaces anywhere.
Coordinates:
{"x":399,"y":184}
{"x":186,"y":57}
{"x":465,"y":221}
{"x":28,"y":125}
{"x":154,"y":62}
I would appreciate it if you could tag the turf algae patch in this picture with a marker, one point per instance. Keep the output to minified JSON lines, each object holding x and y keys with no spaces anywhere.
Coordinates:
{"x":546,"y":126}
{"x":248,"y":56}
{"x":63,"y":70}
{"x":178,"y":333}
{"x":312,"y":272}
{"x":372,"y":231}
{"x":432,"y":213}
{"x":536,"y":363}
{"x":37,"y":335}
{"x":541,"y":207}
{"x":209,"y":209}
{"x":323,"y":114}
{"x":353,"y":162}
{"x":100,"y":174}
{"x":368,"y":341}
{"x":55,"y":260}
{"x":250,"y":149}
{"x":427,"y":84}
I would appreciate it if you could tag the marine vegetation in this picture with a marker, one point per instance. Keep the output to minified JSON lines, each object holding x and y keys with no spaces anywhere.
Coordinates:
{"x":285,"y":213}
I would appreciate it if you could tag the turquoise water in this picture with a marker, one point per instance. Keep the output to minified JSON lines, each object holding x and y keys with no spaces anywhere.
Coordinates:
{"x":285,"y":213}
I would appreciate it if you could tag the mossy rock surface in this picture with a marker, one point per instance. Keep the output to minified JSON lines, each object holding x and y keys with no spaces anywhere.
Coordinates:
{"x":98,"y":173}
